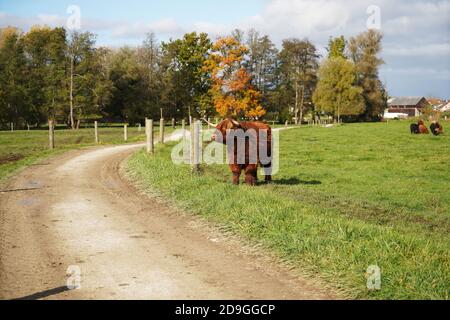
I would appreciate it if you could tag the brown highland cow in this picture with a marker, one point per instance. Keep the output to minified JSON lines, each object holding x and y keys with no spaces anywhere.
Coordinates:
{"x":256,"y":135}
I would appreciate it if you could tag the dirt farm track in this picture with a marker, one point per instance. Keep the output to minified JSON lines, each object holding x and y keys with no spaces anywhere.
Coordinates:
{"x":78,"y":210}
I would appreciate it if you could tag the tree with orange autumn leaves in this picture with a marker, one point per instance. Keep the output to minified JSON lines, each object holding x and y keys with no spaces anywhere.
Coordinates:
{"x":232,"y":92}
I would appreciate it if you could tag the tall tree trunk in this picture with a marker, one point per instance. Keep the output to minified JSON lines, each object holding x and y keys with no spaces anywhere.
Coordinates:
{"x":339,"y":111}
{"x":52,"y":109}
{"x":339,"y":115}
{"x":296,"y":102}
{"x":190,"y":115}
{"x":72,"y":122}
{"x":302,"y":103}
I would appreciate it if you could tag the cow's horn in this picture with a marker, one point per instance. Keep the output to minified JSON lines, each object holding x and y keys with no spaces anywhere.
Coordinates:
{"x":211,"y":124}
{"x":235,"y":122}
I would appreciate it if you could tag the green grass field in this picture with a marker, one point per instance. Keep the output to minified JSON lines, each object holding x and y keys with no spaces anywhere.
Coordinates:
{"x":19,"y":149}
{"x":345,"y":199}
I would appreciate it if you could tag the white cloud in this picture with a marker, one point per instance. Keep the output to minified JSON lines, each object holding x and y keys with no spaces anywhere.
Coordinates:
{"x":417,"y":18}
{"x":294,"y":18}
{"x":290,"y":18}
{"x":408,"y":21}
{"x":137,"y":29}
{"x":419,"y":72}
{"x":212,"y":29}
{"x":119,"y":29}
{"x":435,"y":49}
{"x":26,"y":23}
{"x":315,"y":19}
{"x":51,"y":19}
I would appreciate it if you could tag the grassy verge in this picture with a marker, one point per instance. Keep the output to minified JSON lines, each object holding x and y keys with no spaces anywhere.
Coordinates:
{"x":345,"y":199}
{"x":19,"y":149}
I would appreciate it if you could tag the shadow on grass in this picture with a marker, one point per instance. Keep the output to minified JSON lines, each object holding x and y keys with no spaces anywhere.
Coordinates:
{"x":295,"y":181}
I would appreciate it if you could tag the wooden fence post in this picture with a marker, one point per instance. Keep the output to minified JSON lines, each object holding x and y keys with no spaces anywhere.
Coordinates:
{"x":28,"y":126}
{"x":150,"y":140}
{"x":195,"y":145}
{"x":96,"y":132}
{"x":51,"y":133}
{"x":161,"y":131}
{"x":12,"y":126}
{"x":139,"y":127}
{"x":146,"y":132}
{"x":198,"y":145}
{"x":125,"y":132}
{"x":183,"y":128}
{"x":192,"y":154}
{"x":173,"y":123}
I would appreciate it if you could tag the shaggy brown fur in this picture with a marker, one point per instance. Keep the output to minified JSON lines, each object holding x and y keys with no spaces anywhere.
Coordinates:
{"x":250,"y":169}
{"x":422,"y":128}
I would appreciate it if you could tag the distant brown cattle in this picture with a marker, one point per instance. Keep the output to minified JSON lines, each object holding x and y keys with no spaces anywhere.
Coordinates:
{"x":436,"y":129}
{"x":422,"y":128}
{"x":415,"y":128}
{"x":255,"y":134}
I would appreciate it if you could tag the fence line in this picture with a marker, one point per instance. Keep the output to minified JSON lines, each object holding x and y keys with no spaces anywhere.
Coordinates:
{"x":161,"y":131}
{"x":150,"y":137}
{"x":195,"y":145}
{"x":51,"y":132}
{"x":96,"y":132}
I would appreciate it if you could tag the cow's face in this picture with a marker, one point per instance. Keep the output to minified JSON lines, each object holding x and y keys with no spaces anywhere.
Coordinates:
{"x":222,"y":128}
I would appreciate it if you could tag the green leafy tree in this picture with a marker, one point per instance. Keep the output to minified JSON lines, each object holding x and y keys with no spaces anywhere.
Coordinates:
{"x":262,"y":64}
{"x":89,"y":86}
{"x":364,"y":50}
{"x":184,"y":60}
{"x":299,"y":64}
{"x":336,"y":47}
{"x":103,"y":88}
{"x":150,"y":66}
{"x":129,"y":94}
{"x":46,"y":55}
{"x":337,"y":91}
{"x":15,"y":104}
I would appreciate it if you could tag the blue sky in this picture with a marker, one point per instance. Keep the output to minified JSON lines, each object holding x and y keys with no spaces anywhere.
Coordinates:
{"x":416,"y":44}
{"x":181,"y":10}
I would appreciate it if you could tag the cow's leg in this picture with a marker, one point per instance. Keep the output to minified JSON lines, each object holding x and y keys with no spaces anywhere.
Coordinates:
{"x":236,"y":178}
{"x":267,"y":167}
{"x":251,"y":175}
{"x":267,"y":173}
{"x":236,"y":174}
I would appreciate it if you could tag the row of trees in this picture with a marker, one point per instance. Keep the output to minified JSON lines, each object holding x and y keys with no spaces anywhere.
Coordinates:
{"x":50,"y":74}
{"x":46,"y":74}
{"x":348,"y":79}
